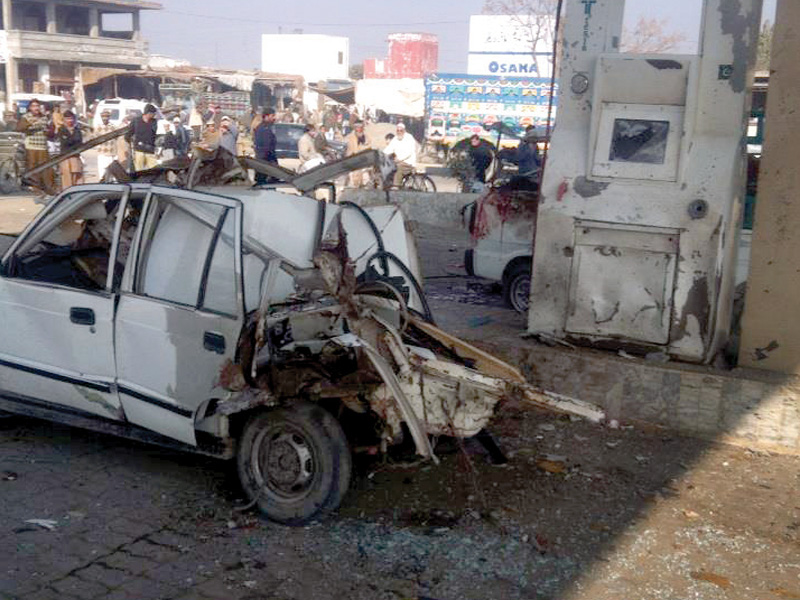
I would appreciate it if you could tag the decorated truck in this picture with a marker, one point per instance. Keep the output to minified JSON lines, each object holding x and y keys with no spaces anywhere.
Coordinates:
{"x":458,"y":106}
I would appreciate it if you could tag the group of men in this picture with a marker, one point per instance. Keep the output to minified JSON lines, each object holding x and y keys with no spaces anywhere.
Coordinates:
{"x":401,"y":147}
{"x":140,"y":147}
{"x":39,"y":129}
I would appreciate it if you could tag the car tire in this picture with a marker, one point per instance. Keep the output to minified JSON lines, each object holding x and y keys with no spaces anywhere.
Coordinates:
{"x":294,"y":462}
{"x":517,"y":287}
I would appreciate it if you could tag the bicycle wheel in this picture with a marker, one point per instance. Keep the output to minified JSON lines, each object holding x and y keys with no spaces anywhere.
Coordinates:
{"x":418,"y":182}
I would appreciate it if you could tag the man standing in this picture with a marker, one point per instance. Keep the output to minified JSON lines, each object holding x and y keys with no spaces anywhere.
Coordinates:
{"x":528,"y":159}
{"x":265,"y":142}
{"x":106,"y":151}
{"x":196,"y":121}
{"x":306,"y":146}
{"x":169,"y":144}
{"x":403,"y":148}
{"x":357,"y":141}
{"x":481,"y":157}
{"x":142,"y":134}
{"x":181,"y":137}
{"x":227,"y":135}
{"x":70,"y":137}
{"x":34,"y":125}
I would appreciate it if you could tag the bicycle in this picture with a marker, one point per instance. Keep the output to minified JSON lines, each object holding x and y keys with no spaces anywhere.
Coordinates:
{"x":418,"y":182}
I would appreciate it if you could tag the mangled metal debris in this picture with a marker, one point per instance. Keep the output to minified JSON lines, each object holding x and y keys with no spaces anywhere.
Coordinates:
{"x":360,"y":342}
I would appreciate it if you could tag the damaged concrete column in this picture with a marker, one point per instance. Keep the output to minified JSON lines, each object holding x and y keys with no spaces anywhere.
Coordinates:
{"x":770,"y":327}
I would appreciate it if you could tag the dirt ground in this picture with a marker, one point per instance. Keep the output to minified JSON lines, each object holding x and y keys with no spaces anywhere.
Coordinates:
{"x":579,"y":512}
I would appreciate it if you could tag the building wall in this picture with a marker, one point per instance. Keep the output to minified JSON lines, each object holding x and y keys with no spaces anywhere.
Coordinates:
{"x":411,"y":56}
{"x":44,"y":44}
{"x":315,"y":57}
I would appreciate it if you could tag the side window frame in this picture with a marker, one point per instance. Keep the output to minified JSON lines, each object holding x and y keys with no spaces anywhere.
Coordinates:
{"x":55,"y":211}
{"x":231,"y":207}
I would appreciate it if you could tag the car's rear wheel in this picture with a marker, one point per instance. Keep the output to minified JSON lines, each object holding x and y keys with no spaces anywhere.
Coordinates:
{"x":294,"y":462}
{"x":517,"y":287}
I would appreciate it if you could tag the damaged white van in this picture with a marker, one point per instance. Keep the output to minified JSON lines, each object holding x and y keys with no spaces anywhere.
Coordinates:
{"x":242,"y":323}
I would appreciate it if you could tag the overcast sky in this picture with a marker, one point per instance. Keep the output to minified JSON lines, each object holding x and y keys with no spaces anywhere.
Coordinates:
{"x":228,"y":34}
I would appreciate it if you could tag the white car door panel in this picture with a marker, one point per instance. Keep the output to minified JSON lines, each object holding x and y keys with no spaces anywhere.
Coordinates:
{"x":179,"y":323}
{"x":57,"y":345}
{"x":57,"y":339}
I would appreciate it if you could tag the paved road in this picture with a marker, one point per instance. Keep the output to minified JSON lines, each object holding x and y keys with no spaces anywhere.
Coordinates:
{"x":581,"y":512}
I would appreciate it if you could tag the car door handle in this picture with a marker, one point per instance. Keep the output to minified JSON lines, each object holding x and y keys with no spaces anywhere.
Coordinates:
{"x":214,"y":342}
{"x":81,"y":316}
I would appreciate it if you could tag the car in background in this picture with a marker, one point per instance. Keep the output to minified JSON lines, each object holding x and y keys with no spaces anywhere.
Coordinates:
{"x":119,"y":108}
{"x":288,"y":134}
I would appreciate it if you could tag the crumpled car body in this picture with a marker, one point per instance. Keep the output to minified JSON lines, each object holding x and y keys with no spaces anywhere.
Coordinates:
{"x":243,"y":323}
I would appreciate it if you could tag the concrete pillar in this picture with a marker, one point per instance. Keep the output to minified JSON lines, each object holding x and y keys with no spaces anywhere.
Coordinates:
{"x":50,"y":17}
{"x":7,"y":19}
{"x":137,"y":25}
{"x":11,"y":63}
{"x":94,"y":22}
{"x":12,"y":79}
{"x":770,"y":326}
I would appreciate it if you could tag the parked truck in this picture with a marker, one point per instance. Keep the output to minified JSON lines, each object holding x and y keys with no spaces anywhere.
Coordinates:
{"x":458,"y":106}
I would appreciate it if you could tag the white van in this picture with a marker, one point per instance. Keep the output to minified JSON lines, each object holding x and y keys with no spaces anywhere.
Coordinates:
{"x":119,"y":108}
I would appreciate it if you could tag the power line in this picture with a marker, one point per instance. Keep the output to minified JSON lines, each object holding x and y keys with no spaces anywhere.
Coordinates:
{"x":282,"y":23}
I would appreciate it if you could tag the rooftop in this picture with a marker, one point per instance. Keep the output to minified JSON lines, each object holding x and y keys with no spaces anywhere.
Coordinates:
{"x":140,"y":4}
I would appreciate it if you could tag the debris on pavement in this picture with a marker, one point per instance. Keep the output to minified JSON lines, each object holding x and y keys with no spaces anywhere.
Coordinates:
{"x":717,"y":580}
{"x":48,"y":524}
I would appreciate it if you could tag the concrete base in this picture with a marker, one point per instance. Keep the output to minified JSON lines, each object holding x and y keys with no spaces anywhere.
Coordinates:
{"x":441,"y":209}
{"x":744,"y":407}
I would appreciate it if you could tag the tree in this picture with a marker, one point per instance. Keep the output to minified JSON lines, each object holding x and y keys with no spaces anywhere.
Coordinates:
{"x":356,"y":71}
{"x":648,"y":36}
{"x":764,"y":46}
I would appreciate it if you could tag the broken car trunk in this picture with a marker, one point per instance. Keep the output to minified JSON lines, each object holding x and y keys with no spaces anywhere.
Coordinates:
{"x":359,"y":341}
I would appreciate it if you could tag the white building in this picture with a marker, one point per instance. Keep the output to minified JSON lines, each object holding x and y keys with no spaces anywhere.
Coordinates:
{"x":315,"y":57}
{"x":511,"y":45}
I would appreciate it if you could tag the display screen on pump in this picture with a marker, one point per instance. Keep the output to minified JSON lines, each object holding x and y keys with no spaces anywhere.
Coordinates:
{"x":639,"y":140}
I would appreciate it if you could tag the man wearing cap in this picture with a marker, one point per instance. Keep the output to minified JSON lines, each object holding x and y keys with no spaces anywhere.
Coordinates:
{"x":528,"y":160}
{"x":264,"y":142}
{"x":34,"y":125}
{"x":142,"y":135}
{"x":70,"y":137}
{"x":181,"y":136}
{"x":403,"y":148}
{"x":357,"y":141}
{"x":227,"y":134}
{"x":105,"y":152}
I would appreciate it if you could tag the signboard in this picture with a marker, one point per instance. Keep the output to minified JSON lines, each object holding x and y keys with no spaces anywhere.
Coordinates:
{"x":501,"y":34}
{"x":513,"y":65}
{"x":459,"y":105}
{"x":515,"y":46}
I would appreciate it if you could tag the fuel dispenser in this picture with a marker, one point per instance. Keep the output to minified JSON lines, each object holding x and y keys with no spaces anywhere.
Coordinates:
{"x":643,"y":192}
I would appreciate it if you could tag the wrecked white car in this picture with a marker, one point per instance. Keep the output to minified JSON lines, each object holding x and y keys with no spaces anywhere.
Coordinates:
{"x":243,"y":323}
